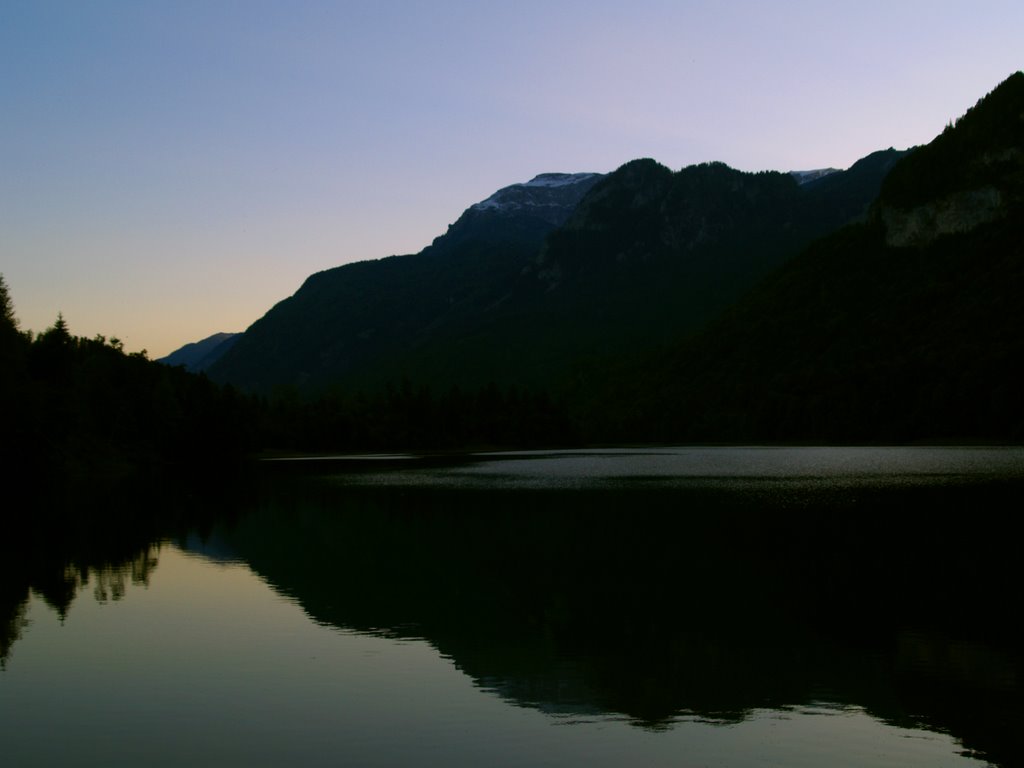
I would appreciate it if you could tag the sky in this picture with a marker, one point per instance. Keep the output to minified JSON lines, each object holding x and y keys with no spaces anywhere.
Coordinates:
{"x":173,"y":169}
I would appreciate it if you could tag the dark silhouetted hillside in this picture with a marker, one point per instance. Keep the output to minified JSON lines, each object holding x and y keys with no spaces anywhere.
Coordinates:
{"x":907,"y":326}
{"x":200,"y":355}
{"x":543,"y":277}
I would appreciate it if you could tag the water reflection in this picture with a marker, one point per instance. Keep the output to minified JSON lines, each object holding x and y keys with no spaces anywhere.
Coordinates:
{"x":761,"y":605}
{"x":783,"y":468}
{"x":68,"y":537}
{"x":58,"y":588}
{"x":12,"y":622}
{"x":665,"y":605}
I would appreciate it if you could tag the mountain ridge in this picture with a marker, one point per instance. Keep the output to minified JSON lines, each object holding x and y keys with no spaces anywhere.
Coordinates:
{"x":505,"y":294}
{"x":364,"y":313}
{"x":870,"y":334}
{"x":199,"y":355}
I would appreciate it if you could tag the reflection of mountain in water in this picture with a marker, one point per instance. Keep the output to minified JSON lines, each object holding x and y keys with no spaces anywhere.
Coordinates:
{"x":653,"y":604}
{"x":661,"y":605}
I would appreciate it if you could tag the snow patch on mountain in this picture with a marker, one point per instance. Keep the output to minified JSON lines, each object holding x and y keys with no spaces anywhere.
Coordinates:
{"x":558,"y":179}
{"x":802,"y":177}
{"x":543,"y":191}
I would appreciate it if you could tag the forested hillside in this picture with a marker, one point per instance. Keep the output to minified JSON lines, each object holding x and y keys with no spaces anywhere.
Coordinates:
{"x":907,"y":326}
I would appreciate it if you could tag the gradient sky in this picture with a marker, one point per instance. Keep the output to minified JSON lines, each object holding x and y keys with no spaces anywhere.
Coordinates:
{"x":169,"y":170}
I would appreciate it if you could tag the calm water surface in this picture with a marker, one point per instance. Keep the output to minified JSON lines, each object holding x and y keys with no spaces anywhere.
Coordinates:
{"x":723,"y":607}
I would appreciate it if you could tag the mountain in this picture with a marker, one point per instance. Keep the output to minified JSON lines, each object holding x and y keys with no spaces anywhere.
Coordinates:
{"x":650,"y":254}
{"x":544,"y":276}
{"x":549,"y":196}
{"x":347,"y":322}
{"x":200,"y":355}
{"x":905,"y":326}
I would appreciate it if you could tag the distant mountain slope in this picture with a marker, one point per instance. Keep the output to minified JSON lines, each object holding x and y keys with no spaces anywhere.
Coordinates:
{"x":907,"y":326}
{"x":200,"y":355}
{"x":545,"y":274}
{"x":346,"y":323}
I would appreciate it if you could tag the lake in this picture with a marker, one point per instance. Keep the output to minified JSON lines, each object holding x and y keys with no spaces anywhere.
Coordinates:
{"x":670,"y":606}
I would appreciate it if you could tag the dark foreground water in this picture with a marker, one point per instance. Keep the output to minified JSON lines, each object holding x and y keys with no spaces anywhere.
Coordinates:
{"x":677,"y":607}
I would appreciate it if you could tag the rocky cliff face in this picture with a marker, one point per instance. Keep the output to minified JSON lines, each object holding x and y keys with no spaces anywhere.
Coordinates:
{"x":957,"y":213}
{"x":969,"y":176}
{"x":994,"y":182}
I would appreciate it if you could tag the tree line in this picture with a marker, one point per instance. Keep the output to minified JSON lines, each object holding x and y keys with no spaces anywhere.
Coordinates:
{"x":85,"y":406}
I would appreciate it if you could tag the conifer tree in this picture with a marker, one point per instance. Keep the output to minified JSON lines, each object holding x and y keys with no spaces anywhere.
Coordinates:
{"x":10,"y":339}
{"x":60,"y":327}
{"x":7,"y":318}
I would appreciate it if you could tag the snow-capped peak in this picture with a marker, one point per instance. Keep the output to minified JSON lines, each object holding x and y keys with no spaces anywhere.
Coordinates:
{"x":558,"y":179}
{"x":545,"y":190}
{"x":802,"y":177}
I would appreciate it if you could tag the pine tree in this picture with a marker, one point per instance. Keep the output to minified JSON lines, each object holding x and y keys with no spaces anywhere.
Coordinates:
{"x":7,"y":318}
{"x":11,"y":341}
{"x":58,"y":334}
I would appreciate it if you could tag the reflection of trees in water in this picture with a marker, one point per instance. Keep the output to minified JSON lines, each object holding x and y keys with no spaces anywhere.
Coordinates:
{"x":10,"y":630}
{"x":58,"y":586}
{"x":109,"y":580}
{"x":103,"y":535}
